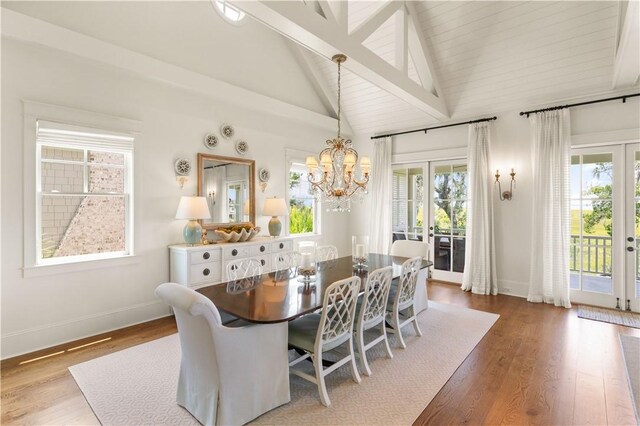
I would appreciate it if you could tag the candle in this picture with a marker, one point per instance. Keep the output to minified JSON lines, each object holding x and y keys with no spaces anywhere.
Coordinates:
{"x":306,"y":260}
{"x":359,"y":251}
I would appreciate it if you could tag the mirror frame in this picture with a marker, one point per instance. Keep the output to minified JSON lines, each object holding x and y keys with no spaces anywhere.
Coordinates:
{"x":252,"y":190}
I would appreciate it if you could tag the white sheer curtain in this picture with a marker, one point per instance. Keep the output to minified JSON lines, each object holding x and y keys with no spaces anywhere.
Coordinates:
{"x":480,"y":261}
{"x":551,"y":143}
{"x":380,"y":223}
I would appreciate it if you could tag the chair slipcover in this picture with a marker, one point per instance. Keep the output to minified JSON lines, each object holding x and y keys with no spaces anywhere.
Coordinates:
{"x":228,"y":375}
{"x":407,"y":248}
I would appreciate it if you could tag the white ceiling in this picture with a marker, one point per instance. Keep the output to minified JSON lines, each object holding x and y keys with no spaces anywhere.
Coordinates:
{"x":487,"y":57}
{"x":490,"y":57}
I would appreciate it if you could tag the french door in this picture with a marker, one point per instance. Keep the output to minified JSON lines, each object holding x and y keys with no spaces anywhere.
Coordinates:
{"x":448,"y":202}
{"x":438,"y":203}
{"x":605,"y":217}
{"x":632,"y":226}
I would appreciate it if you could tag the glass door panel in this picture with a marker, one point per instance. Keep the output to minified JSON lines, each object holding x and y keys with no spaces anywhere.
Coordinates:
{"x":449,"y":219}
{"x":632,"y":228}
{"x":595,"y":212}
{"x":407,"y":202}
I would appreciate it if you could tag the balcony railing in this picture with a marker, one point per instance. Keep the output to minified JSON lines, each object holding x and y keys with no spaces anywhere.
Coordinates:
{"x":596,"y":255}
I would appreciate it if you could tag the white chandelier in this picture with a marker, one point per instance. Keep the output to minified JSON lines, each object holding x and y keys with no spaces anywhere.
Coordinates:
{"x":337,"y":179}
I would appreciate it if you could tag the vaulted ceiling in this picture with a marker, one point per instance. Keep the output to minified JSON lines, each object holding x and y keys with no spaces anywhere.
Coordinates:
{"x":482,"y":57}
{"x":411,"y":64}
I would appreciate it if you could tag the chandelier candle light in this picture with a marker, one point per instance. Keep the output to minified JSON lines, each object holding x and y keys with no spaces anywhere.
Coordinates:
{"x":335,"y":179}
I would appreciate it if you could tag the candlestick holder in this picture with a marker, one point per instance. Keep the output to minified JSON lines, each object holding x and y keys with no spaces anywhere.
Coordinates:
{"x":360,"y":250}
{"x":307,"y":267}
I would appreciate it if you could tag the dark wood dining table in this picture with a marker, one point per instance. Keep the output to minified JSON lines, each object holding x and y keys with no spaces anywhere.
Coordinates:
{"x":279,"y":296}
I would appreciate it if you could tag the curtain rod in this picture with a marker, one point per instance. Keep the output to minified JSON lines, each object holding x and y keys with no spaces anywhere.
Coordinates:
{"x":435,"y":127}
{"x":623,"y":97}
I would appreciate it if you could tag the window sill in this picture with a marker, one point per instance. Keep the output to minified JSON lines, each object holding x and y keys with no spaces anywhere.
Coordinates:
{"x":308,"y":235}
{"x":86,"y":265}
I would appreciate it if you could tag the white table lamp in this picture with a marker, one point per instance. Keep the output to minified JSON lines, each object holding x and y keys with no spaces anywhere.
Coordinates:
{"x":275,"y":207}
{"x":193,"y":208}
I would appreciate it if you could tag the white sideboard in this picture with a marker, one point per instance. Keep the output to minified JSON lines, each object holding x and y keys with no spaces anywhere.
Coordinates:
{"x":201,"y":265}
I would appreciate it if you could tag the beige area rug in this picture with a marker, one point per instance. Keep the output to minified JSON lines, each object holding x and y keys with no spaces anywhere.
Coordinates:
{"x":138,"y":385}
{"x":631,"y":351}
{"x":613,"y":316}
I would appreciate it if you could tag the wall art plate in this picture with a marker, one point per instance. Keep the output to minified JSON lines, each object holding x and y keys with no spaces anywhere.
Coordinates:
{"x":242,"y":147}
{"x":264,"y":175}
{"x":226,"y":130}
{"x":210,"y":140}
{"x":182,"y":167}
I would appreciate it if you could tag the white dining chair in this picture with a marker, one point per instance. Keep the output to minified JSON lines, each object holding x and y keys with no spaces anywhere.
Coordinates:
{"x":401,"y":304}
{"x":228,"y":375}
{"x":408,"y":248}
{"x":315,"y":334}
{"x":326,"y":252}
{"x":289,"y":260}
{"x":243,"y":268}
{"x":371,"y":313}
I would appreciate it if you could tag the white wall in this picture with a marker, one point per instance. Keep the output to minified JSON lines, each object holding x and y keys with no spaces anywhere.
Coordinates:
{"x":593,"y":124}
{"x":44,"y":311}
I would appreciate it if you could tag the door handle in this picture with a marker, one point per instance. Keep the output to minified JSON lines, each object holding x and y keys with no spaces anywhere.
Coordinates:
{"x":630,"y":239}
{"x":630,"y":249}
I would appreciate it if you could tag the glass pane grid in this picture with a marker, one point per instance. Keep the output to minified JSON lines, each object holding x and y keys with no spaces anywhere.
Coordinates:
{"x":591,"y":223}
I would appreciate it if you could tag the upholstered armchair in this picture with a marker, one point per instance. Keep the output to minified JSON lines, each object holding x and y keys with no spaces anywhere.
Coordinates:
{"x":228,"y":375}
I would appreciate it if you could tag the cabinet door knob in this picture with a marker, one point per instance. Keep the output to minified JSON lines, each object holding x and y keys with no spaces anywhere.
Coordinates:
{"x":206,"y":272}
{"x":206,"y":255}
{"x":281,"y":245}
{"x":234,"y":252}
{"x":262,"y":248}
{"x":262,"y":261}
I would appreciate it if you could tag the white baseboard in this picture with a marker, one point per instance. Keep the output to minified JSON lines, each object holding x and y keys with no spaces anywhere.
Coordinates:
{"x":42,"y":337}
{"x":513,"y":288}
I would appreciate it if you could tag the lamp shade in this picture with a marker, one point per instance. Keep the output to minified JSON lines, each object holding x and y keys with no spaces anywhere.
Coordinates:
{"x":193,"y":208}
{"x":275,"y":207}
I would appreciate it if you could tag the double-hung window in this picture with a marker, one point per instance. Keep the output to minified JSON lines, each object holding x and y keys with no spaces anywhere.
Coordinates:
{"x":84,"y":205}
{"x":303,"y":208}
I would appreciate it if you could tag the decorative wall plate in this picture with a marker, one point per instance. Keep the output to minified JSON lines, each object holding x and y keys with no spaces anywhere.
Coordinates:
{"x":226,"y":130}
{"x":264,"y":175}
{"x":242,"y":147}
{"x":182,"y":167}
{"x":210,"y":140}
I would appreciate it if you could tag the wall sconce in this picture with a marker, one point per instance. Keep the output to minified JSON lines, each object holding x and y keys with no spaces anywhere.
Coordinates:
{"x":182,"y":180}
{"x":182,"y":167}
{"x":506,"y":195}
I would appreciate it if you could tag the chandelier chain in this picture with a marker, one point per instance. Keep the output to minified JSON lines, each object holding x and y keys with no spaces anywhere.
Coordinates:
{"x":339,"y":99}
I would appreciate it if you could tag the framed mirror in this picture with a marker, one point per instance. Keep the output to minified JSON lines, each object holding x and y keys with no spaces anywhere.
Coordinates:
{"x":228,"y":185}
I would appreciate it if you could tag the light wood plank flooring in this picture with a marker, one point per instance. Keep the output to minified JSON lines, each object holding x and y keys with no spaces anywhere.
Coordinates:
{"x":537,"y":365}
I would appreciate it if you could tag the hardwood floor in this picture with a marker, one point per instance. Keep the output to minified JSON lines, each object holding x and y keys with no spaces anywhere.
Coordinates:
{"x":537,"y":365}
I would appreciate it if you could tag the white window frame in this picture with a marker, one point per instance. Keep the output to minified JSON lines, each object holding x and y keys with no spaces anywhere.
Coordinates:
{"x":119,"y":129}
{"x":298,"y":158}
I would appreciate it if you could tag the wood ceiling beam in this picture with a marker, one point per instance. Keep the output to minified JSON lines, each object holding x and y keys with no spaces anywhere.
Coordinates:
{"x":325,"y":37}
{"x":627,"y":64}
{"x":373,"y":22}
{"x":420,"y":53}
{"x":328,"y":97}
